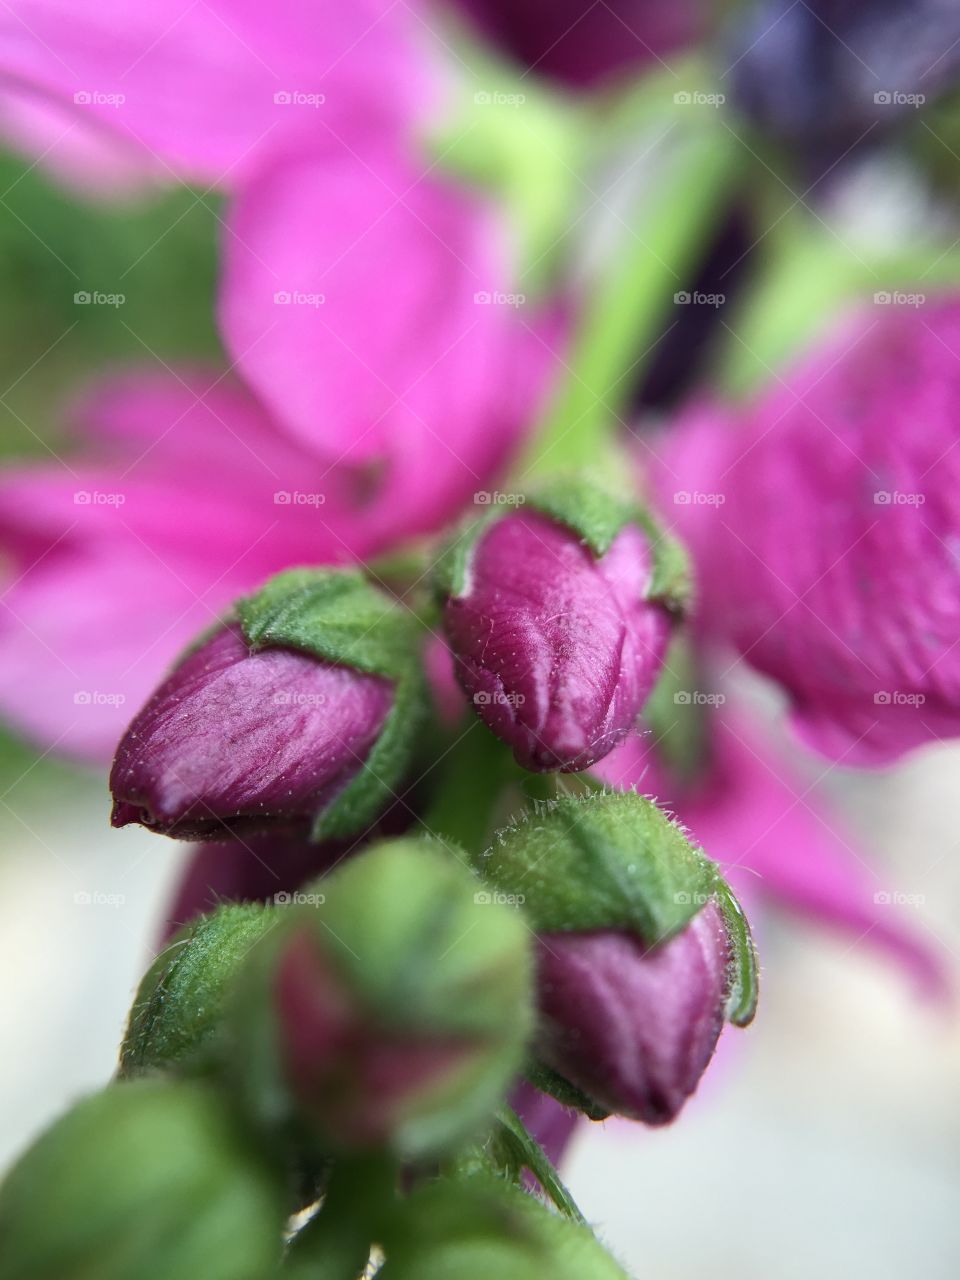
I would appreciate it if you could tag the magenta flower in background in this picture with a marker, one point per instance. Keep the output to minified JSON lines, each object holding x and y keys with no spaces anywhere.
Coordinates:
{"x":370,"y":306}
{"x":557,"y":649}
{"x":173,"y":89}
{"x":824,"y":521}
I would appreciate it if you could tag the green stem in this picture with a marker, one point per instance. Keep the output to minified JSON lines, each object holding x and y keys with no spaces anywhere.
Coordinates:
{"x":624,"y":317}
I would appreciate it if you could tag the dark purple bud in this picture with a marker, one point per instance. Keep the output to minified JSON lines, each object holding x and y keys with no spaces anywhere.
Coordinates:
{"x":582,"y":44}
{"x":237,"y":740}
{"x":557,"y":647}
{"x":632,"y":1026}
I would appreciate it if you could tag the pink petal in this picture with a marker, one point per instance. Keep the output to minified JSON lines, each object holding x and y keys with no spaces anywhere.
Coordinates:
{"x":825,"y":525}
{"x":357,"y":302}
{"x":204,"y":88}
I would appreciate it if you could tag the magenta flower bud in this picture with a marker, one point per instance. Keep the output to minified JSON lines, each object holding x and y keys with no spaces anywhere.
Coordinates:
{"x":631,"y":1026}
{"x":364,"y":1078}
{"x":305,"y":709}
{"x":643,"y":952}
{"x":557,"y":646}
{"x":235,"y":741}
{"x":390,"y":1010}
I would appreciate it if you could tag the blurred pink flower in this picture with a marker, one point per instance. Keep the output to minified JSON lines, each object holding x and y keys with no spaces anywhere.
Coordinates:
{"x":370,"y":306}
{"x":183,"y":493}
{"x":200,"y":91}
{"x":824,"y":519}
{"x":775,"y":842}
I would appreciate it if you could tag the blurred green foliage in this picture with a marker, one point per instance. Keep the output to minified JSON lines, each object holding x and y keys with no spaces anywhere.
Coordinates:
{"x":159,"y":251}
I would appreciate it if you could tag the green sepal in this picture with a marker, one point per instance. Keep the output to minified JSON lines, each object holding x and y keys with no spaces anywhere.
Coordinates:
{"x":744,"y":977}
{"x":549,"y":1081}
{"x":604,"y":860}
{"x":339,"y":617}
{"x":452,"y":568}
{"x":596,"y":512}
{"x":178,"y":1010}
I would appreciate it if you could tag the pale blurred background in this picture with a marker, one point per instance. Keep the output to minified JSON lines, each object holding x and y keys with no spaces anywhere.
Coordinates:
{"x":825,"y":1141}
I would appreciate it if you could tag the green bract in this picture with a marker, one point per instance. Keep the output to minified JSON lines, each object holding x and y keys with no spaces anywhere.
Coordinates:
{"x":596,"y":513}
{"x":340,"y":617}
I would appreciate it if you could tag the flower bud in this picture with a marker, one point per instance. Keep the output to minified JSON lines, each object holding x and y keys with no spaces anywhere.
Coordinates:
{"x":642,"y":952}
{"x":304,"y":708}
{"x":633,"y":1027}
{"x":148,"y":1179}
{"x":480,"y":1226}
{"x":392,"y":1014}
{"x":558,"y":618}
